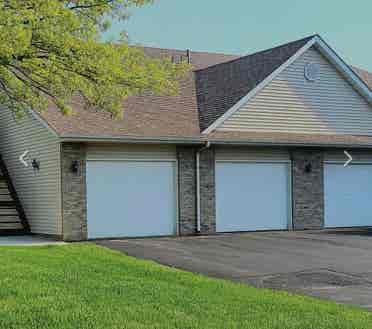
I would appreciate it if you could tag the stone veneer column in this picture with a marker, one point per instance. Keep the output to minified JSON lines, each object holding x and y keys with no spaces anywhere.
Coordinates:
{"x":207,"y":191}
{"x":307,"y":189}
{"x":74,"y":210}
{"x":186,"y":190}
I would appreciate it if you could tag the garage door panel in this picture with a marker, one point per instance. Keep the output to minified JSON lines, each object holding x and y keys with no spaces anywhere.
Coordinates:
{"x":347,"y":195}
{"x":251,"y":196}
{"x":131,"y":198}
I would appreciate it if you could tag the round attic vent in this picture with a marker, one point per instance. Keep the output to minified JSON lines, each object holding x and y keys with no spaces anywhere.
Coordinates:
{"x":312,"y":71}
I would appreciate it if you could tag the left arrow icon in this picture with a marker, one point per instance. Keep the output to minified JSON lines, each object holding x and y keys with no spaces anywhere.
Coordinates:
{"x":22,"y":158}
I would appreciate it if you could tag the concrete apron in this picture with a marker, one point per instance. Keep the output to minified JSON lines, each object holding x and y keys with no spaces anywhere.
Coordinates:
{"x":27,"y":241}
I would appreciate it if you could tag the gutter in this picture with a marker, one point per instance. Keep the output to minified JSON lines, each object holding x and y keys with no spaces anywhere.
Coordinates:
{"x":132,"y":139}
{"x":198,"y":212}
{"x":289,"y":144}
{"x":203,"y":140}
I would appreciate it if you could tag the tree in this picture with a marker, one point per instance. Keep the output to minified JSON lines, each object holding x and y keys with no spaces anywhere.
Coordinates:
{"x":50,"y":52}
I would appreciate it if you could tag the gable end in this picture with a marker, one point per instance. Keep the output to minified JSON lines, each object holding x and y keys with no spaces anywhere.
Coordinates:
{"x":291,"y":103}
{"x":315,"y":42}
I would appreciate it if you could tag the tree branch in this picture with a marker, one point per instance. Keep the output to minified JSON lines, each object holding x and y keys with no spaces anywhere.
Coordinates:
{"x":93,"y":5}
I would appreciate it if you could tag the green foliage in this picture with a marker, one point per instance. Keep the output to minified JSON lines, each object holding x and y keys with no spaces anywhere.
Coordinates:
{"x":49,"y":52}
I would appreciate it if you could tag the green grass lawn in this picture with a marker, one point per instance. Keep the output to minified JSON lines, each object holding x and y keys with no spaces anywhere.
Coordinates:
{"x":85,"y":286}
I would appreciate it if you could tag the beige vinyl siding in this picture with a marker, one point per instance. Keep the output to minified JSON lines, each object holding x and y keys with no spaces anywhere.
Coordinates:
{"x":133,"y":152}
{"x":256,"y":154}
{"x":339,"y":156}
{"x":39,"y":192}
{"x":290,"y":103}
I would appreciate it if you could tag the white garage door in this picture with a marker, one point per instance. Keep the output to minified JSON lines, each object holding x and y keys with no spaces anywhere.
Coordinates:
{"x":252,"y":196}
{"x":348,"y":195}
{"x":131,"y":198}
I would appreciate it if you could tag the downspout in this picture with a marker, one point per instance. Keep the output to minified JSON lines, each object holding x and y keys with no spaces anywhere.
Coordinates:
{"x":198,"y":216}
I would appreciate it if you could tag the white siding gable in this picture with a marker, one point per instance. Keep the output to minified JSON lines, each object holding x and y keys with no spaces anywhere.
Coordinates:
{"x":290,"y":103}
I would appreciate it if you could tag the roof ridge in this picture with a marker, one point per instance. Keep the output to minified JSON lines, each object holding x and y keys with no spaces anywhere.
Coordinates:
{"x":253,"y":69}
{"x":184,"y":50}
{"x":262,"y":51}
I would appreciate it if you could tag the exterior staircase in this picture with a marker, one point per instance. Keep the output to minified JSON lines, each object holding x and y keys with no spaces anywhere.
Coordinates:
{"x":12,"y":216}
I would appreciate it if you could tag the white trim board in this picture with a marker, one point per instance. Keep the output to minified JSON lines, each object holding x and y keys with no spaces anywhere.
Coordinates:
{"x":325,"y":50}
{"x":131,"y":159}
{"x":254,"y":161}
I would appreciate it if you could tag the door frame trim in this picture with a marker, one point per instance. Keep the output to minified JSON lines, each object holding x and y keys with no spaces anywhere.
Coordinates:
{"x":132,"y":160}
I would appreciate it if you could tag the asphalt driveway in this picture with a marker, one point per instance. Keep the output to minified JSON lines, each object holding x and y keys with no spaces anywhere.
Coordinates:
{"x":335,"y":265}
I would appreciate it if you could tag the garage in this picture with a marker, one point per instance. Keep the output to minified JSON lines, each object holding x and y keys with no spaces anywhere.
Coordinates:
{"x":252,"y":190}
{"x":131,"y":193}
{"x":347,"y":195}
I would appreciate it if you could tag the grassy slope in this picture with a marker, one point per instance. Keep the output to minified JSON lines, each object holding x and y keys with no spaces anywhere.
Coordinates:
{"x":85,"y":286}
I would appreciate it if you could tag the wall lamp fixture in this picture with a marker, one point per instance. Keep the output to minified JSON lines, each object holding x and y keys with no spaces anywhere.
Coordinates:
{"x":35,"y":164}
{"x":75,"y":167}
{"x":308,"y":168}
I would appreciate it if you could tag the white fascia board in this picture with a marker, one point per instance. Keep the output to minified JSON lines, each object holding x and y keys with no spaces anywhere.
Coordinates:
{"x":259,"y":87}
{"x":37,"y":117}
{"x":330,"y":54}
{"x":345,"y":69}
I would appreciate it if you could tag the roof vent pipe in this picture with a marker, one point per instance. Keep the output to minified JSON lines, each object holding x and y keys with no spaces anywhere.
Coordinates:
{"x":188,"y":54}
{"x":198,"y":212}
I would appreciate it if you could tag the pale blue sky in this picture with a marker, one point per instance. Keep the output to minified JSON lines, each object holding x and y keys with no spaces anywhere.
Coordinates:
{"x":244,"y":26}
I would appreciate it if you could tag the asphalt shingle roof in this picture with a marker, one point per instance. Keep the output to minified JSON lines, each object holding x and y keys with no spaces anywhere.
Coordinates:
{"x":216,"y":83}
{"x":364,"y":75}
{"x":221,"y":86}
{"x":144,"y":116}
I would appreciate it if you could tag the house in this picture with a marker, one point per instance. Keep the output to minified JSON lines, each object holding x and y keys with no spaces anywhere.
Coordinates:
{"x":249,"y":143}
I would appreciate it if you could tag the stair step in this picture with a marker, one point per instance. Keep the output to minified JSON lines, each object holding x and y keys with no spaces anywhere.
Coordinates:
{"x":10,"y":226}
{"x":9,"y":217}
{"x":3,"y":185}
{"x":6,"y":211}
{"x":9,"y":203}
{"x":5,"y":197}
{"x":12,"y":232}
{"x":12,"y":216}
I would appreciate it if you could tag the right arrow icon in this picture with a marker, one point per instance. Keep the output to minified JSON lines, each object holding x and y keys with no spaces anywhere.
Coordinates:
{"x":349,"y":158}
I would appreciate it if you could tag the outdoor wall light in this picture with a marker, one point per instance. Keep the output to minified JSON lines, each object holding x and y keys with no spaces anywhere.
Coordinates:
{"x":35,"y":164}
{"x":75,"y":167}
{"x":308,"y":168}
